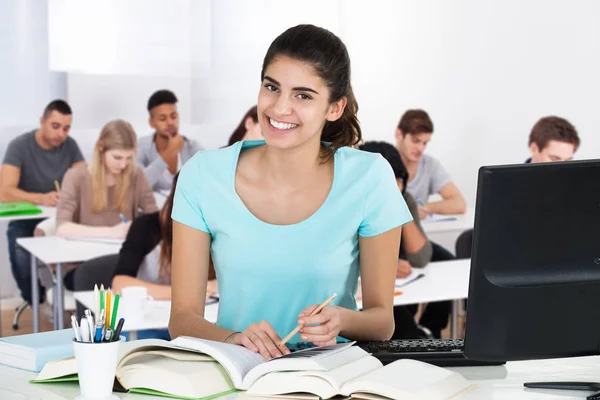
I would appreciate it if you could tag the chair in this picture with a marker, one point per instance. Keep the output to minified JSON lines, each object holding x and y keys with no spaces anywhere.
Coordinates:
{"x":464,"y":244}
{"x":100,"y":271}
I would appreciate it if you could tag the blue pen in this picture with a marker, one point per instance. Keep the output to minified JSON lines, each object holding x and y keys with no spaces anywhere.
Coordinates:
{"x":100,"y":327}
{"x":123,"y":219}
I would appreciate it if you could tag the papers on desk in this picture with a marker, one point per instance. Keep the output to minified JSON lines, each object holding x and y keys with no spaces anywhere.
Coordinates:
{"x":438,"y":218}
{"x":413,"y":276}
{"x":97,"y":240}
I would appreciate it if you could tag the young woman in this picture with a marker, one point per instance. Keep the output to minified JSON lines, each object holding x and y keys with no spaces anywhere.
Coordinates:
{"x":248,"y":129}
{"x":145,"y":257}
{"x":101,"y":199}
{"x":284,"y":218}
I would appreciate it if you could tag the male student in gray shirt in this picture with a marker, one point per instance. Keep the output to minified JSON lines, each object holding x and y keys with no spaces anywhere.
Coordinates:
{"x":163,"y":153}
{"x":32,"y":163}
{"x":427,"y":176}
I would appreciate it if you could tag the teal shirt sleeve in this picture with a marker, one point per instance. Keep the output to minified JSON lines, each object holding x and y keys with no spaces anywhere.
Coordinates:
{"x":385,"y":207}
{"x":187,"y":203}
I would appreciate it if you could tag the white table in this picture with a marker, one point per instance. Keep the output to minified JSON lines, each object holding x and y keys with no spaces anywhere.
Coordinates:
{"x":56,"y":250}
{"x":493,"y":383}
{"x":156,"y":314}
{"x":445,"y":233}
{"x":444,"y":280}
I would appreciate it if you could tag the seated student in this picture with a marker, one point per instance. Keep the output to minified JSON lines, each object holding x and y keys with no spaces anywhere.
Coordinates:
{"x":552,"y":139}
{"x":293,"y":219}
{"x":145,"y":259}
{"x":248,"y":129}
{"x":164,"y":152}
{"x":32,"y":163}
{"x":101,"y":199}
{"x":415,"y":251}
{"x":426,"y":174}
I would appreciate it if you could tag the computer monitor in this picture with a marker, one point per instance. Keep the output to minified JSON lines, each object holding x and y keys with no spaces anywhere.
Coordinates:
{"x":534,"y":289}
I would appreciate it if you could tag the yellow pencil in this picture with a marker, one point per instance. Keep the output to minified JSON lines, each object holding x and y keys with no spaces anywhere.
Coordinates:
{"x":107,"y":322}
{"x":315,"y":311}
{"x":57,"y":186}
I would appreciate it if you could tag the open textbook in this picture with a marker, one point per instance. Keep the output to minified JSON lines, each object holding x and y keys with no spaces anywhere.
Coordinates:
{"x":195,"y":368}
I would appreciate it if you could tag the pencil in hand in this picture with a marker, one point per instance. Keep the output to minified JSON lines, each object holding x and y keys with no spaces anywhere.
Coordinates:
{"x":57,"y":186}
{"x":315,"y":311}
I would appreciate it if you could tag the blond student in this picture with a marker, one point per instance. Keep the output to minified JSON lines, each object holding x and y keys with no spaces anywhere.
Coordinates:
{"x":291,"y":219}
{"x":102,"y":198}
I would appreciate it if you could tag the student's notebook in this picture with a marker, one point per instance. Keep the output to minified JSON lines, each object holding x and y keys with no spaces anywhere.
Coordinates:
{"x":18,"y":209}
{"x":31,"y":352}
{"x":195,"y":368}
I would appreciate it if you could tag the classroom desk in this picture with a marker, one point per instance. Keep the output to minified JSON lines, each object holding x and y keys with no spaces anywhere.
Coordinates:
{"x":56,"y":250}
{"x":444,"y":280}
{"x":493,"y":383}
{"x":445,"y":233}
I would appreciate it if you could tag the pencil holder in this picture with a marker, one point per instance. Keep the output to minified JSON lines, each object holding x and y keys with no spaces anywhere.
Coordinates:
{"x":96,"y":368}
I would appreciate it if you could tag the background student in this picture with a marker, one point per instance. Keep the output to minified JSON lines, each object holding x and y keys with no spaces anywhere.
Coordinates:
{"x":426,"y":175}
{"x":101,"y":199}
{"x":164,"y":152}
{"x":248,"y":128}
{"x":279,"y":217}
{"x":33,"y":162}
{"x":553,"y":139}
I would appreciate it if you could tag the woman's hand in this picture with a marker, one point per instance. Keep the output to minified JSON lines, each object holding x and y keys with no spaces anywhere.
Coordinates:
{"x":261,"y":338}
{"x":403,"y":269}
{"x":325,"y":328}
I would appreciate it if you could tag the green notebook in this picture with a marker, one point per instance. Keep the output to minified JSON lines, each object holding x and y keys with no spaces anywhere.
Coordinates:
{"x":18,"y":208}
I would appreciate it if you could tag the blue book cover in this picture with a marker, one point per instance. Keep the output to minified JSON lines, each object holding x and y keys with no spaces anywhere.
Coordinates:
{"x":31,"y":352}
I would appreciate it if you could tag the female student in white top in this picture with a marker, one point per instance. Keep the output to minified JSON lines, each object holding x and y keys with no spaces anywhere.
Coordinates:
{"x":292,"y":219}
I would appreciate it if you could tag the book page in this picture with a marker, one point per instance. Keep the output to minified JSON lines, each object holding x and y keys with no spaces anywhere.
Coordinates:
{"x":237,"y":360}
{"x":324,"y":384}
{"x":314,"y":359}
{"x":408,"y":380}
{"x":176,"y":377}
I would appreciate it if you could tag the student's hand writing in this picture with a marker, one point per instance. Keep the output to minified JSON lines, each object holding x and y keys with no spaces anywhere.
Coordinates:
{"x":120,"y":230}
{"x":403,"y":269}
{"x":423,"y":212}
{"x":50,"y":199}
{"x":261,"y":338}
{"x":321,"y":329}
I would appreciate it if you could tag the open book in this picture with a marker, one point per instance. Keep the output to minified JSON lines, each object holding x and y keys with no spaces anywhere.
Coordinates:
{"x":196,"y":368}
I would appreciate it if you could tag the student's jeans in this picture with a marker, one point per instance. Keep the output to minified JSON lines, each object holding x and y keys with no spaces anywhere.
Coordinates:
{"x":20,"y":259}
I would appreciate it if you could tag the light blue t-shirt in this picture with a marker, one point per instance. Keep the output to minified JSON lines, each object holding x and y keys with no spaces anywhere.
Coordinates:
{"x":272,"y":272}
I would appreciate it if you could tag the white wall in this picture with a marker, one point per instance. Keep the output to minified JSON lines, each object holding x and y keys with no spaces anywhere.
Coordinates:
{"x":484,"y":70}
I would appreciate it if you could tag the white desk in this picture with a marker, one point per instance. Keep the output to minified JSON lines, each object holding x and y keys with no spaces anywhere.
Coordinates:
{"x":445,"y":233}
{"x":493,"y":383}
{"x":444,"y":280}
{"x":55,"y":250}
{"x":156,"y":314}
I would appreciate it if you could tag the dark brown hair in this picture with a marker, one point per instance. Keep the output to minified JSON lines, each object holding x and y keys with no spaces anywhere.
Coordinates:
{"x":166,"y":233}
{"x":240,"y":131}
{"x":328,"y":55}
{"x":415,"y":122}
{"x":553,"y":128}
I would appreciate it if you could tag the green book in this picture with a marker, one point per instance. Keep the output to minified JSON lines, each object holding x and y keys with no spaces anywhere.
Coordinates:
{"x":18,"y":209}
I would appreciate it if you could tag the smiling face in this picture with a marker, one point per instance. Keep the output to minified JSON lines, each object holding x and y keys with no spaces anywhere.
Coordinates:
{"x":116,"y":161}
{"x":293,"y":104}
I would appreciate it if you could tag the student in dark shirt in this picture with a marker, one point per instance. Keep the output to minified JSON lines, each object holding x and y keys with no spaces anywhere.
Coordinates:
{"x":145,"y":258}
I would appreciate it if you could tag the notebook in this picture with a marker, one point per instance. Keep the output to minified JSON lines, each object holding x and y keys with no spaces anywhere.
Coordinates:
{"x":196,"y":368}
{"x":18,"y":208}
{"x":193,"y":368}
{"x":31,"y":352}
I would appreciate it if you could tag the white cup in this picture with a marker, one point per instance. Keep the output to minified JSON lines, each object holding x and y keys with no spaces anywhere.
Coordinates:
{"x":133,"y":304}
{"x":96,"y":368}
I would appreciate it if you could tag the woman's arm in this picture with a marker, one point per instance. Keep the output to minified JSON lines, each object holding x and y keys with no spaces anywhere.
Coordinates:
{"x":189,"y":271}
{"x":453,"y":201}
